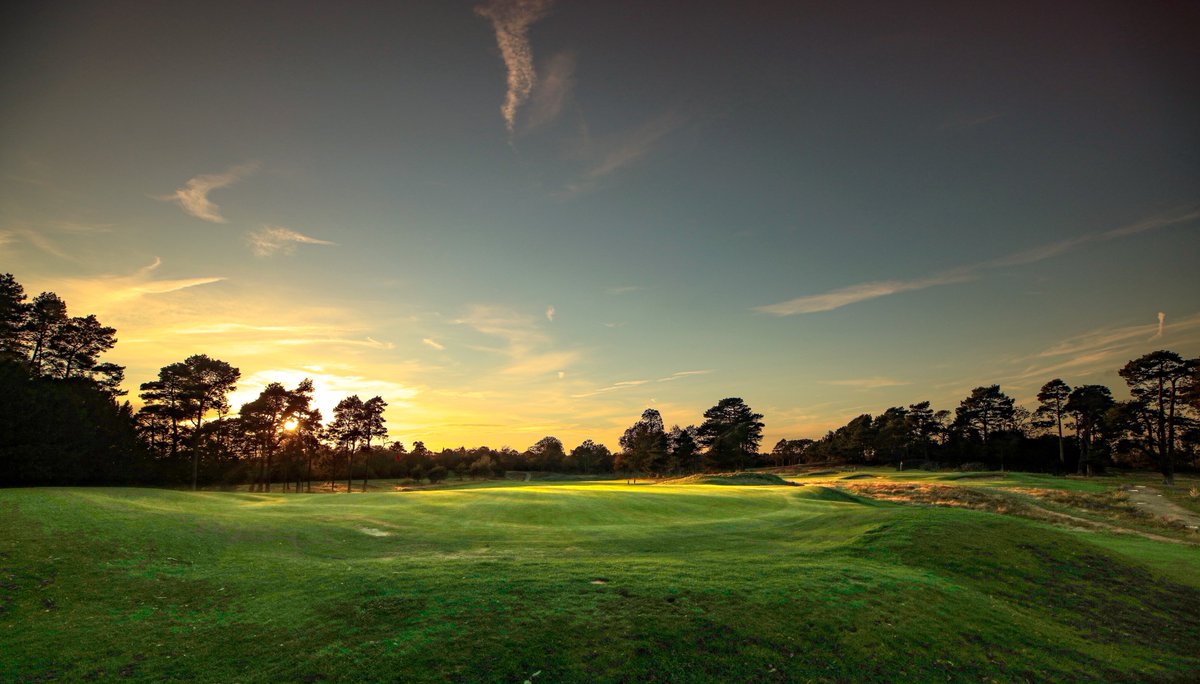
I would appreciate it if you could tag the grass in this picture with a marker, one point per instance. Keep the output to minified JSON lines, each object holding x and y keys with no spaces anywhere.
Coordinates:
{"x":580,"y":582}
{"x":739,"y":478}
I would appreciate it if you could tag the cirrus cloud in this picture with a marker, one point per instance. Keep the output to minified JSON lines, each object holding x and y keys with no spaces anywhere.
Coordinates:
{"x":193,"y":196}
{"x":511,"y":20}
{"x":273,"y":239}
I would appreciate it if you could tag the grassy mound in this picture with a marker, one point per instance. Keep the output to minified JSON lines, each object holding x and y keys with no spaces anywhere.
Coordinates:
{"x":580,"y":582}
{"x":742,"y":478}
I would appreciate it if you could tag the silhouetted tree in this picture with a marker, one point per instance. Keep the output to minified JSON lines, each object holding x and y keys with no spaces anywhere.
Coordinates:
{"x":683,"y":449}
{"x":1088,"y":405}
{"x":346,"y":431}
{"x":546,"y":454}
{"x":644,"y":444}
{"x":264,"y":421}
{"x":191,"y":389}
{"x":166,"y":399}
{"x":108,"y":378}
{"x":14,"y":311}
{"x":590,"y":457}
{"x":47,"y":313}
{"x":65,"y":432}
{"x":923,"y":426}
{"x":985,"y":411}
{"x":77,"y":344}
{"x":731,"y":433}
{"x":789,"y":451}
{"x":892,"y":435}
{"x":1155,"y":380}
{"x":1052,"y":400}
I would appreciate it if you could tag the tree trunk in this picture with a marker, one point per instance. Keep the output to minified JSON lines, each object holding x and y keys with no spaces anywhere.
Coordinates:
{"x":349,"y":469}
{"x":1168,"y":474}
{"x":307,"y":474}
{"x":1062,"y":455}
{"x":1170,"y":451}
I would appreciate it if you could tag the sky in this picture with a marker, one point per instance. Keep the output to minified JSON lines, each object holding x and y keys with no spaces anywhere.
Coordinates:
{"x":519,"y":219}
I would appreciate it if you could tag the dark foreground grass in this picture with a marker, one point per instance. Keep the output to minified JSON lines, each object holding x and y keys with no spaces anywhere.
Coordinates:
{"x":577,"y":582}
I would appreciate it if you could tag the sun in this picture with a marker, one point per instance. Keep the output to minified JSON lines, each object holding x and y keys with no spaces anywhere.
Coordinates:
{"x":291,"y":425}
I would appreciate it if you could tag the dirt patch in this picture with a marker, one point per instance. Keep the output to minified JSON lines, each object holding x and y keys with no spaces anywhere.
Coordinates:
{"x":1006,"y":502}
{"x":1151,"y":501}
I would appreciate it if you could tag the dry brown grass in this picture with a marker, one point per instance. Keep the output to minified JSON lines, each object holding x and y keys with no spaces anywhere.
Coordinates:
{"x":941,"y":495}
{"x":1114,"y":503}
{"x":1120,"y":514}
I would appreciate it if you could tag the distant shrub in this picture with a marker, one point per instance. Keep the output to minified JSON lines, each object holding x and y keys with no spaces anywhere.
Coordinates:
{"x":436,"y":474}
{"x":972,"y":466}
{"x":741,"y":478}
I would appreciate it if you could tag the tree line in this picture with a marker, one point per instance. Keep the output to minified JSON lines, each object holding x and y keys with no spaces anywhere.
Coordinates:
{"x":1079,"y":429}
{"x":63,"y":421}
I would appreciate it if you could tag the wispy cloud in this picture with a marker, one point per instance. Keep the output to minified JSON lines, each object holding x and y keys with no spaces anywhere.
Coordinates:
{"x":540,"y":363}
{"x":1097,"y":351}
{"x":39,"y":240}
{"x":433,"y":343}
{"x":274,"y":239}
{"x":366,"y":342}
{"x":528,"y":348}
{"x":875,"y":382}
{"x":550,"y":312}
{"x":622,"y":289}
{"x":627,"y":148}
{"x":602,"y":157}
{"x":40,"y":236}
{"x":684,"y":374}
{"x":235,"y":328}
{"x":835,"y":299}
{"x":1162,"y":320}
{"x":552,"y":91}
{"x":100,"y":293}
{"x":511,"y":20}
{"x":616,"y":386}
{"x":1118,"y":338}
{"x":193,"y":196}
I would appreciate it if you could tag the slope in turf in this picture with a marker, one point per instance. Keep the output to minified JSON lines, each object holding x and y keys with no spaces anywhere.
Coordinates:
{"x":700,"y":583}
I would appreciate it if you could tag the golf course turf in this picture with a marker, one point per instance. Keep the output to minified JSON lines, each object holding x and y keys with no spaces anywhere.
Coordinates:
{"x":578,"y":581}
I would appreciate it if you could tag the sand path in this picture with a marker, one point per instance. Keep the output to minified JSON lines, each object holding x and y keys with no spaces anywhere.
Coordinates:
{"x":1152,"y":501}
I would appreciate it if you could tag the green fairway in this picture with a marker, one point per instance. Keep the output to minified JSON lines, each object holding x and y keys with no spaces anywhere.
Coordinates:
{"x":577,"y":582}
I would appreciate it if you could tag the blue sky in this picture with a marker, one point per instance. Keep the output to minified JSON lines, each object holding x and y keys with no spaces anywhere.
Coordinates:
{"x":514,"y":219}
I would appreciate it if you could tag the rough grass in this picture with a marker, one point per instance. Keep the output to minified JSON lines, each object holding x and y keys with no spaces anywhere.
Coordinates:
{"x":740,"y":478}
{"x":580,"y":582}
